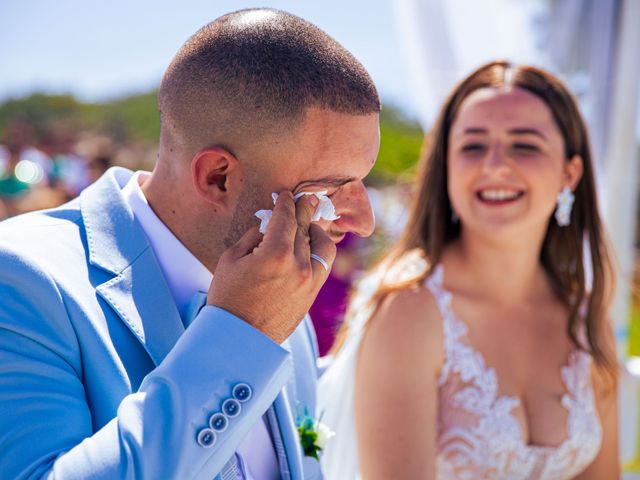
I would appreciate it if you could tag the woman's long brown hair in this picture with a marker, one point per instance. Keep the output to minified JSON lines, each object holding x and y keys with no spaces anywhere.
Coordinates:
{"x":430,"y":226}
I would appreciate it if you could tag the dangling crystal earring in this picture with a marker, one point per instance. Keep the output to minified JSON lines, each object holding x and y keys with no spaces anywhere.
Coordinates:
{"x":565,"y":204}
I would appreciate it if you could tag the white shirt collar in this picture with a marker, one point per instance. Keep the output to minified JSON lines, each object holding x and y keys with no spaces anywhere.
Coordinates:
{"x":184,"y":273}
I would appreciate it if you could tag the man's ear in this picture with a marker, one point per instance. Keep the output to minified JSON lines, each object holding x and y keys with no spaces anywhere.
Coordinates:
{"x":210,"y":170}
{"x":573,"y":171}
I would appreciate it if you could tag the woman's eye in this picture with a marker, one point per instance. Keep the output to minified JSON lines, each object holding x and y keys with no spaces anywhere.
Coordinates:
{"x":525,"y":148}
{"x":473,"y":148}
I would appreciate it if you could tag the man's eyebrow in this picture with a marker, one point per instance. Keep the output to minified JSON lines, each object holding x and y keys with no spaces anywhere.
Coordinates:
{"x":324,"y":182}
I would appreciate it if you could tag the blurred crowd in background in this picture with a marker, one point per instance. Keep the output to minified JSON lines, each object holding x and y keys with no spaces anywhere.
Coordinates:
{"x":42,"y":170}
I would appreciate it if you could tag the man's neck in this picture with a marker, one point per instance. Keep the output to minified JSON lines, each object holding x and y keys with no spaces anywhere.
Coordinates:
{"x":172,"y":203}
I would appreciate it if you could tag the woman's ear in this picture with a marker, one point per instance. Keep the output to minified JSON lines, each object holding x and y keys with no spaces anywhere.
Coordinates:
{"x":573,"y":172}
{"x":210,"y":170}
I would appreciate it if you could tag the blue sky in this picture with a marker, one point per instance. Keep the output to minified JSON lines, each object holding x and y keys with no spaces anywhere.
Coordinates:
{"x":103,"y":50}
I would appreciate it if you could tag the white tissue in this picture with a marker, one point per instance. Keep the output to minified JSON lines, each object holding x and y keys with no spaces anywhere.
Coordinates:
{"x":324,"y":211}
{"x":265,"y":218}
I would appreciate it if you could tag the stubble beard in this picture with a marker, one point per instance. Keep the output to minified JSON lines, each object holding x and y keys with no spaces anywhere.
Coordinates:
{"x":244,"y":215}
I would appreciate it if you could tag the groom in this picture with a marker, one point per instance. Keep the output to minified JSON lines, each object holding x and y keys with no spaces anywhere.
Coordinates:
{"x":110,"y":365}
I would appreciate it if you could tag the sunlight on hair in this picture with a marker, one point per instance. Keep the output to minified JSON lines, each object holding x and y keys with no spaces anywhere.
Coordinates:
{"x":508,"y":79}
{"x":254,"y":16}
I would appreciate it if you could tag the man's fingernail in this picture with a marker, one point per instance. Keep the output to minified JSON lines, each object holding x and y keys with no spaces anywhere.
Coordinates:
{"x":313,"y":200}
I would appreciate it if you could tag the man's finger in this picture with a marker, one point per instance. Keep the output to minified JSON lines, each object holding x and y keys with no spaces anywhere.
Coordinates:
{"x":247,"y":243}
{"x":322,"y":246}
{"x":281,"y":231}
{"x":305,"y":208}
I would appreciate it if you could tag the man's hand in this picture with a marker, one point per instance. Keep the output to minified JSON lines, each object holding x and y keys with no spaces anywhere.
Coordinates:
{"x":271,"y":281}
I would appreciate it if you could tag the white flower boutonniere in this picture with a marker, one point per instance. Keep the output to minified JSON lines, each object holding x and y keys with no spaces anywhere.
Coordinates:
{"x":313,"y":435}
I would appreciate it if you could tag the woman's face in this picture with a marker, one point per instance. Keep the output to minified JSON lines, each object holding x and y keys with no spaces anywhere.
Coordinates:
{"x":506,"y":163}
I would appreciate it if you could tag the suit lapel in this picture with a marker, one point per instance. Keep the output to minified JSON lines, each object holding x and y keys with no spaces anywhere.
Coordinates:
{"x":138,"y":292}
{"x":305,"y":370}
{"x":288,"y":434}
{"x":142,"y":300}
{"x":296,"y":397}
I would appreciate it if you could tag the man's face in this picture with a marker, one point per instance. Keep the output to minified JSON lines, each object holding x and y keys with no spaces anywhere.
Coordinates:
{"x":329,"y":152}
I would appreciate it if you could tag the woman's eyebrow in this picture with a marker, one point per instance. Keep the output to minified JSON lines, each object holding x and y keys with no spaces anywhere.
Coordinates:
{"x":527,"y":131}
{"x":513,"y":131}
{"x":474,"y":130}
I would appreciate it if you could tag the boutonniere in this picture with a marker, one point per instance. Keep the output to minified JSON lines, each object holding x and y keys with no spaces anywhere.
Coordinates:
{"x":313,"y":434}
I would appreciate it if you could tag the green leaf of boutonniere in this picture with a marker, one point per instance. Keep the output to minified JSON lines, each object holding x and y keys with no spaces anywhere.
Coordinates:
{"x":313,"y":435}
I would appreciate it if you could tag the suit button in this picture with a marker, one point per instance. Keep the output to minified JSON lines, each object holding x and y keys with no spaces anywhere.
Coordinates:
{"x":242,"y":392}
{"x":231,"y":407}
{"x":218,"y":422}
{"x":206,"y":438}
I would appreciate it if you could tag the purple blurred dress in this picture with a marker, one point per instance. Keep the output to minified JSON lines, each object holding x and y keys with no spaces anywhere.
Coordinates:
{"x":327,"y":312}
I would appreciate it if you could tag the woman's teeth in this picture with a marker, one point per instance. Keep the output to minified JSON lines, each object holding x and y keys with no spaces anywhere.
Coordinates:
{"x":499,"y":195}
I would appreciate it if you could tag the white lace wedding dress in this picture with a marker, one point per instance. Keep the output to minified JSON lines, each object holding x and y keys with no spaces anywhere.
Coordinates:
{"x":478,"y":436}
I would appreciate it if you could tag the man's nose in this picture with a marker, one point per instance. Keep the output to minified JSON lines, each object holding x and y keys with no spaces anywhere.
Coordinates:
{"x":354,"y":208}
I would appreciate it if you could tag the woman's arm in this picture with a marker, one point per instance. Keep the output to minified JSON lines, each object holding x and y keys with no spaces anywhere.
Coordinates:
{"x":396,"y":394}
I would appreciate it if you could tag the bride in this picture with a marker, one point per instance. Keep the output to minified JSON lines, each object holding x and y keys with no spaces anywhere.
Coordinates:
{"x":480,"y":346}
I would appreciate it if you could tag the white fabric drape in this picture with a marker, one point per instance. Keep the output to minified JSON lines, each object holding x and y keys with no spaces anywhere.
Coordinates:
{"x":336,"y":390}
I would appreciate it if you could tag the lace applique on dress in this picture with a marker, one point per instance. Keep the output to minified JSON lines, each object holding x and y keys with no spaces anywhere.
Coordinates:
{"x":478,"y":437}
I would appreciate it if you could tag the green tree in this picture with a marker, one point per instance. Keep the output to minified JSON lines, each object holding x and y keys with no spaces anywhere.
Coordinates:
{"x":400,"y":145}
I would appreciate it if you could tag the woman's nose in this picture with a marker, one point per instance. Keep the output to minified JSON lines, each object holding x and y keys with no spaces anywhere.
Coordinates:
{"x":496,"y":160}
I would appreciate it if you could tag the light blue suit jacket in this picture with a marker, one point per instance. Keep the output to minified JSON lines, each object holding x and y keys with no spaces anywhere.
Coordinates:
{"x":98,"y":376}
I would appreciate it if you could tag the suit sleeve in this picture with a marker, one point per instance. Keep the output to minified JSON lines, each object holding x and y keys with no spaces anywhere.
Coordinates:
{"x":185,"y":421}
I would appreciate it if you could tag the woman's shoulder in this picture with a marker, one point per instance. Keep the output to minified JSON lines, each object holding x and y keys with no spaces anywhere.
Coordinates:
{"x":407,"y":327}
{"x":415,"y":304}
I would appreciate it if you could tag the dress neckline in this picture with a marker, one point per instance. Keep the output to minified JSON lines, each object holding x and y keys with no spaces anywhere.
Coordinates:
{"x":484,"y":375}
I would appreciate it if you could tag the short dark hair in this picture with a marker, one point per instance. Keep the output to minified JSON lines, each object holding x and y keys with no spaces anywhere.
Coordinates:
{"x":254,"y":72}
